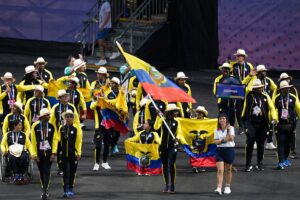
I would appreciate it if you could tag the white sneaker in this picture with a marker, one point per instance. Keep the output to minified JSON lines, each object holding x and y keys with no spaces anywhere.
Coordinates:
{"x":227,"y":190}
{"x":114,"y":55}
{"x":105,"y":165}
{"x":270,"y":146}
{"x":96,"y":167}
{"x":255,"y":146}
{"x":218,"y":191}
{"x":101,"y":62}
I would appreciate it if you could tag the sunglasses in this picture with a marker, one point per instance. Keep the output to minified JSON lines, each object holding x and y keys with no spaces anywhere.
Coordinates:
{"x":69,"y":116}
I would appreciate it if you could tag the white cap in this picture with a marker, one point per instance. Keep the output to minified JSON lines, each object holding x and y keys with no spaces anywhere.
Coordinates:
{"x":171,"y":107}
{"x":284,"y":84}
{"x":225,"y":65}
{"x":74,"y":79}
{"x":44,"y":111}
{"x":39,"y":60}
{"x":61,"y":93}
{"x":143,"y":102}
{"x":133,"y":92}
{"x":78,"y":63}
{"x":115,"y":80}
{"x":241,"y":52}
{"x":261,"y":68}
{"x":68,"y":112}
{"x":257,"y":84}
{"x":39,"y":88}
{"x":30,"y":69}
{"x":7,"y":75}
{"x":19,"y":105}
{"x":181,"y":75}
{"x":284,"y":76}
{"x":202,"y":109}
{"x":101,"y":70}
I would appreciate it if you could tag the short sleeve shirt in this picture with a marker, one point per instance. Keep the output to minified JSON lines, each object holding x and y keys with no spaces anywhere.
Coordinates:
{"x":105,"y":8}
{"x":220,"y":134}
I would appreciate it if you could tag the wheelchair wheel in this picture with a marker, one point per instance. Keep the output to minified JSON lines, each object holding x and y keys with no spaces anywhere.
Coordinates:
{"x":3,"y":168}
{"x":30,"y":170}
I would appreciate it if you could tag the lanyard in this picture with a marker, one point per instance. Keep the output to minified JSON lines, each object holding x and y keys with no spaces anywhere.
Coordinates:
{"x":114,"y":93}
{"x":241,"y":68}
{"x":287,"y":102}
{"x":35,"y":107}
{"x":42,"y":131}
{"x":17,"y":138}
{"x":16,"y":117}
{"x":72,"y":93}
{"x":11,"y":95}
{"x":60,"y":111}
{"x":142,"y":117}
{"x":256,"y":101}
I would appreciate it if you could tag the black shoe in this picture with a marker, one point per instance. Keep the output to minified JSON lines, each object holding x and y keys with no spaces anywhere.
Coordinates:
{"x":44,"y":195}
{"x":241,"y":131}
{"x":59,"y":172}
{"x":294,"y":155}
{"x":259,"y":167}
{"x":202,"y":169}
{"x":248,"y":168}
{"x":195,"y":170}
{"x":171,"y":189}
{"x":166,"y":189}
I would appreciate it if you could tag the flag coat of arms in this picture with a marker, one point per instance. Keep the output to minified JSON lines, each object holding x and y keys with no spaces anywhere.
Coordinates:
{"x":199,"y":137}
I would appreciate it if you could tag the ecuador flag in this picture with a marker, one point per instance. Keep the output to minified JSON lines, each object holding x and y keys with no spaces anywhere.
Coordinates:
{"x":199,"y":135}
{"x":154,"y":82}
{"x":143,"y":158}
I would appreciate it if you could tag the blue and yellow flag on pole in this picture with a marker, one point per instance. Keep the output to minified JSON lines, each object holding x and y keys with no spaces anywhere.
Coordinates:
{"x":154,"y":82}
{"x":199,"y":135}
{"x":143,"y":158}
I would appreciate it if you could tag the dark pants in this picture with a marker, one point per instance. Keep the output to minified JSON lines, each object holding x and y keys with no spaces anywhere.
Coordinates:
{"x":256,"y":132}
{"x":115,"y":135}
{"x":19,"y":165}
{"x":238,"y":112}
{"x":44,"y":166}
{"x":293,"y":139}
{"x":168,"y":158}
{"x":58,"y":156}
{"x":284,"y":137}
{"x":69,"y":166}
{"x":100,"y":136}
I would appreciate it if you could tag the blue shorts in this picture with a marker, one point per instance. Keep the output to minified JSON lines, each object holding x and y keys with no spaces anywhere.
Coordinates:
{"x":103,"y":34}
{"x":225,"y":154}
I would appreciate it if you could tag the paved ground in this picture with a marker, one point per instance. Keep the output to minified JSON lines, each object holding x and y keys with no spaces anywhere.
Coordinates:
{"x":119,"y":183}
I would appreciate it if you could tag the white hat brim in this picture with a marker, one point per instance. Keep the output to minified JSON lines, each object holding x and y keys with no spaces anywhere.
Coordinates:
{"x":239,"y":54}
{"x":77,"y":67}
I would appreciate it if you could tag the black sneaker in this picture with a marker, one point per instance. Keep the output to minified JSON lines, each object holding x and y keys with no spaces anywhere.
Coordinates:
{"x":59,"y":172}
{"x":44,"y":195}
{"x":248,"y":168}
{"x":294,"y":155}
{"x":241,"y":131}
{"x":195,"y":170}
{"x":166,"y":189}
{"x":171,"y":189}
{"x":259,"y":167}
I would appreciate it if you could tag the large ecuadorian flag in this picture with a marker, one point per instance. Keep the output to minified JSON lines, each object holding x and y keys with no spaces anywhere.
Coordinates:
{"x":135,"y":152}
{"x":155,"y":83}
{"x":193,"y":129}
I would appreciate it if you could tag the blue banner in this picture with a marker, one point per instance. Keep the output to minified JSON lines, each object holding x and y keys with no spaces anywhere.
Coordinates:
{"x":230,"y":91}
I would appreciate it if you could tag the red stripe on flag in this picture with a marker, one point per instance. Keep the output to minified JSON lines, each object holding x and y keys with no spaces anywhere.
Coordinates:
{"x":151,"y":171}
{"x":203,"y":162}
{"x":170,"y":94}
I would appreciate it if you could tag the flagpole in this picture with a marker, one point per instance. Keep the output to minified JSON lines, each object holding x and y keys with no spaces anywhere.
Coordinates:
{"x":162,"y":117}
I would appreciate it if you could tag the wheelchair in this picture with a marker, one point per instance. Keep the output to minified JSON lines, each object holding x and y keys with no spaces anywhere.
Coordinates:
{"x":6,"y":173}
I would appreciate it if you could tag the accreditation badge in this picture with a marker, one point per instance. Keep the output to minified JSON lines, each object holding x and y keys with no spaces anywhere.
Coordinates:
{"x":35,"y":118}
{"x":284,"y":114}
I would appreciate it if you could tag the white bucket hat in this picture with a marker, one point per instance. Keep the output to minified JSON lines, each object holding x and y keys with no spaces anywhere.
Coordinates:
{"x":171,"y":107}
{"x":68,"y":112}
{"x":241,"y":52}
{"x":143,"y":102}
{"x":30,"y":69}
{"x":225,"y":65}
{"x":257,"y":84}
{"x":74,"y":79}
{"x":44,"y":111}
{"x":8,"y":75}
{"x":61,"y":93}
{"x":40,"y":60}
{"x":202,"y":109}
{"x":181,"y":75}
{"x":101,"y":70}
{"x":78,"y":63}
{"x":19,"y":105}
{"x":39,"y":88}
{"x":133,"y":92}
{"x":115,"y":80}
{"x":261,"y":68}
{"x":284,"y":76}
{"x":284,"y":84}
